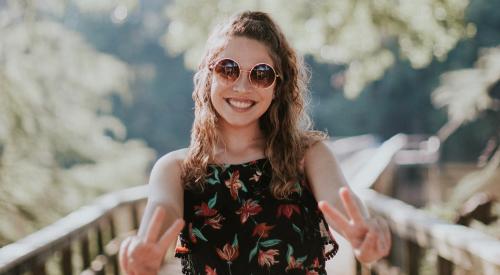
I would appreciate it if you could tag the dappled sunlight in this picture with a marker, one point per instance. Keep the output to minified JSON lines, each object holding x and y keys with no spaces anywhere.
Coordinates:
{"x":342,"y":32}
{"x":60,"y":144}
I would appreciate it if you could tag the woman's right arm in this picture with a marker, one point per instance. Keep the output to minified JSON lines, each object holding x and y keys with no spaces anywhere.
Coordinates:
{"x":143,"y":254}
{"x":165,"y":189}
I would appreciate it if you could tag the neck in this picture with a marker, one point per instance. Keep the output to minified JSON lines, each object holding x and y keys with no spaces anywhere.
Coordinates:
{"x":240,"y":143}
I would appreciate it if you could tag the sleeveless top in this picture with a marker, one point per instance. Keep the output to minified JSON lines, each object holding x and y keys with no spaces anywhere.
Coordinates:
{"x":235,"y":226}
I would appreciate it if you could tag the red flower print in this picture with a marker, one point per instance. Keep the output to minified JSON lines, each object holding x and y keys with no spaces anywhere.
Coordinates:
{"x":287,"y":210}
{"x":292,"y":264}
{"x":210,"y":271}
{"x":312,"y":272}
{"x":181,"y":250}
{"x":256,"y":176}
{"x":234,"y":184}
{"x":249,"y":208}
{"x":267,"y":257}
{"x":204,"y":211}
{"x":261,"y":230}
{"x":215,"y":221}
{"x":316,"y":263}
{"x":228,"y":253}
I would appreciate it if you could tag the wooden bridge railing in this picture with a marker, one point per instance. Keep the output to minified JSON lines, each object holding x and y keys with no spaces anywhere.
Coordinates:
{"x":84,"y":242}
{"x":453,"y":249}
{"x":457,"y":249}
{"x":87,"y":240}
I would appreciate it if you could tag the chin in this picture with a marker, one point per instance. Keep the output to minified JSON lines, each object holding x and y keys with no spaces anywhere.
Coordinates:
{"x":240,"y":123}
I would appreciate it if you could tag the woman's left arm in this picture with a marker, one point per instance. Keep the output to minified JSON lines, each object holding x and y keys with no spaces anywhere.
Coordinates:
{"x":370,"y":237}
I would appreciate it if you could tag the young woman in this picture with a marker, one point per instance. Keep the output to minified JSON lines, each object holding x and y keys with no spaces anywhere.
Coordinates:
{"x":244,"y":195}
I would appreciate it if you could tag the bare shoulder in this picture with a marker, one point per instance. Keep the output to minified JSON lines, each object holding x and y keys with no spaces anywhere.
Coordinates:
{"x":172,"y":159}
{"x":167,"y":170}
{"x":318,"y":152}
{"x":323,"y":173}
{"x":171,"y":162}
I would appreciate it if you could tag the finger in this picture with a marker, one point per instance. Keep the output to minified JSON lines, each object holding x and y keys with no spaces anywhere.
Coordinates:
{"x":386,"y":233}
{"x":351,"y":206}
{"x":122,"y":256}
{"x":340,"y":221}
{"x":133,"y":249}
{"x":142,"y":270}
{"x":171,"y":234}
{"x":146,"y":254}
{"x":389,"y":238}
{"x":153,"y":230}
{"x":382,"y":230}
{"x":367,"y":249}
{"x":382,"y":241}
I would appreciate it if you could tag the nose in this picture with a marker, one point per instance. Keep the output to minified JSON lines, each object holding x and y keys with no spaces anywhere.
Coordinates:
{"x":242,"y":83}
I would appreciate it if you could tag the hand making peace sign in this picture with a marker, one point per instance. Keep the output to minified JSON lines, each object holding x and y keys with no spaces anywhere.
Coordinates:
{"x":370,"y":238}
{"x":144,"y":255}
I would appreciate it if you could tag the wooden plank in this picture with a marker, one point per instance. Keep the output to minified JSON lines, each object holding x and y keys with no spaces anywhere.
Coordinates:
{"x":378,"y":163}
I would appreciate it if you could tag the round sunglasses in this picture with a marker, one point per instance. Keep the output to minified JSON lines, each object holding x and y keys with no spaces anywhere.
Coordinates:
{"x":260,"y":76}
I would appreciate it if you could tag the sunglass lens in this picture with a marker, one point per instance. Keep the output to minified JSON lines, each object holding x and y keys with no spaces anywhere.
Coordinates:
{"x":262,"y":76}
{"x":227,"y":70}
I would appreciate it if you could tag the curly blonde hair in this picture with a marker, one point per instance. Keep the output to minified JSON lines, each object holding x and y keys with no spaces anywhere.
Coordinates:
{"x":286,"y":124}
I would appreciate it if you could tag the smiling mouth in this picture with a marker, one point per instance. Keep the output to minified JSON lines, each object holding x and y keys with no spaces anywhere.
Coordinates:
{"x":239,"y":103}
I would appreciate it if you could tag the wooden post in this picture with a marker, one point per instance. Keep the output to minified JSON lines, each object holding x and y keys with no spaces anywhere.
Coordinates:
{"x":412,"y":257}
{"x":39,"y":267}
{"x":66,"y":260}
{"x":100,"y":241}
{"x":135,"y":216}
{"x":444,"y":267}
{"x":114,"y":258}
{"x":84,"y":249}
{"x":358,"y":268}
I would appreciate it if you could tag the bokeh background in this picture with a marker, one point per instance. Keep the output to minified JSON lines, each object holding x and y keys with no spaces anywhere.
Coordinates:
{"x":93,"y":92}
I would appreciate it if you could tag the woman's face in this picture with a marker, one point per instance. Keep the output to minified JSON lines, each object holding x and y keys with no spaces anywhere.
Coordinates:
{"x":239,"y":103}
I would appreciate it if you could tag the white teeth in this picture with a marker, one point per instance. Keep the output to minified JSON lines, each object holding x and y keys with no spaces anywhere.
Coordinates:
{"x":240,"y":104}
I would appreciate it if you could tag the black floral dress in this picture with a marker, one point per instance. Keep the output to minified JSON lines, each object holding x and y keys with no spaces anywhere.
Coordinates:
{"x":235,"y":226}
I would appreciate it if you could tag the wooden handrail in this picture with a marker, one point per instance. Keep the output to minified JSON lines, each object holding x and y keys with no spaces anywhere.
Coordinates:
{"x":379,"y":162}
{"x":39,"y":246}
{"x":458,"y":244}
{"x":455,"y":245}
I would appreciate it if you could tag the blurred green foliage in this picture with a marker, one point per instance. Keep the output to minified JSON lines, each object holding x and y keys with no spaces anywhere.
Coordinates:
{"x":60,"y":146}
{"x":399,"y":101}
{"x":356,"y":33}
{"x":82,"y":81}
